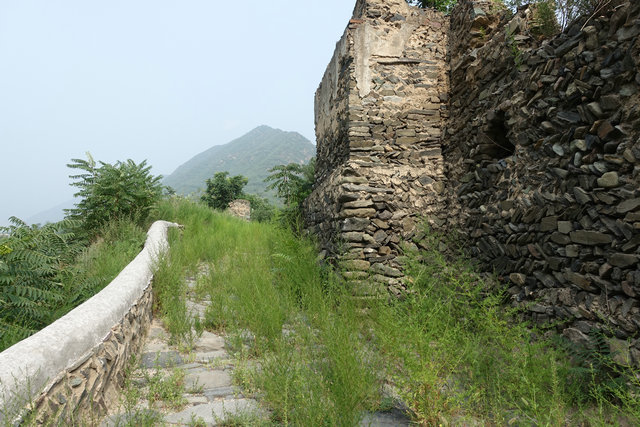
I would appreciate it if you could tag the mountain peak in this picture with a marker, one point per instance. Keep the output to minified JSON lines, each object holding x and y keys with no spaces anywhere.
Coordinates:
{"x":251,"y":155}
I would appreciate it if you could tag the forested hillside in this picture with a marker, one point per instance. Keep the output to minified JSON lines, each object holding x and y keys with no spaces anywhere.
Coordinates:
{"x":251,"y":155}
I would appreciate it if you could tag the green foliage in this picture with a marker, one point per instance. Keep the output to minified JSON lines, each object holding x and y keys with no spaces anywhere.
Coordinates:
{"x":516,"y":53}
{"x":125,"y":190}
{"x":441,"y":5}
{"x":546,"y":23}
{"x":45,"y":271}
{"x":166,"y":388}
{"x":261,"y":209}
{"x":30,"y":288}
{"x":293,"y":184}
{"x":449,"y":348}
{"x":118,"y":243}
{"x":251,"y":155}
{"x":461,"y":351}
{"x":222,"y":190}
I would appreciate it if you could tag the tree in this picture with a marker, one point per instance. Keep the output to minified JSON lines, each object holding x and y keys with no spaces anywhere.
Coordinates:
{"x":222,"y":190}
{"x":261,"y":209}
{"x":561,"y":13}
{"x":569,"y":10}
{"x":441,"y":5}
{"x":293,"y":183}
{"x":119,"y":191}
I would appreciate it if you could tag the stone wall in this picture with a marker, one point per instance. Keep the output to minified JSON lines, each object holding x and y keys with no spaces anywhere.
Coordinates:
{"x":528,"y":148}
{"x":240,"y":208}
{"x":69,"y":372}
{"x":380,"y":111}
{"x":543,"y":156}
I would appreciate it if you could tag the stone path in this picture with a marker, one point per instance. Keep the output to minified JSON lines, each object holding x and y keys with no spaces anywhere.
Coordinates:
{"x":209,"y":397}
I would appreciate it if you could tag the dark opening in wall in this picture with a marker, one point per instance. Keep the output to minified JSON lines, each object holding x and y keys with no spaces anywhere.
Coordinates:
{"x":497,"y":133}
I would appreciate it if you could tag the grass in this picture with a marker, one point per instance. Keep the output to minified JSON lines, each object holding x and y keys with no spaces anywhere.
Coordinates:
{"x":448,"y":351}
{"x":158,"y":387}
{"x":96,"y":266}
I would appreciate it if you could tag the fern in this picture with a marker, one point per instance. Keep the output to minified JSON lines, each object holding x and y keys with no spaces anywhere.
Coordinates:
{"x":30,"y":263}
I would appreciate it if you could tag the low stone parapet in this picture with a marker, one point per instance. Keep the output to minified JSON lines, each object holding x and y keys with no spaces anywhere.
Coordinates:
{"x":72,"y":368}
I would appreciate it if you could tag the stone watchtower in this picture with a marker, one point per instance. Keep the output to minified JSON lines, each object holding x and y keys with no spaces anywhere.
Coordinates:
{"x":380,"y":112}
{"x":527,"y":145}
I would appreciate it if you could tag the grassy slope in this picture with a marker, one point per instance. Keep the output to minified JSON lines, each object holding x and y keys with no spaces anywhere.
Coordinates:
{"x":448,"y":348}
{"x":251,"y":155}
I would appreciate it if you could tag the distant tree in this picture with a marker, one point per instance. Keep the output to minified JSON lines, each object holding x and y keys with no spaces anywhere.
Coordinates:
{"x":222,"y":189}
{"x":569,"y":10}
{"x":118,"y":191}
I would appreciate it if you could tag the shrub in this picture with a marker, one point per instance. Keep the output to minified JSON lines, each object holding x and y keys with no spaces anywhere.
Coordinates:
{"x":46,"y":271}
{"x":30,"y":260}
{"x":125,"y":190}
{"x":293,"y":184}
{"x":222,"y":190}
{"x":261,"y":209}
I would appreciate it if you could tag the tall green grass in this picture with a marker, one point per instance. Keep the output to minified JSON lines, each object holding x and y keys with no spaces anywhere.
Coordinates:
{"x":98,"y":264}
{"x":449,"y":349}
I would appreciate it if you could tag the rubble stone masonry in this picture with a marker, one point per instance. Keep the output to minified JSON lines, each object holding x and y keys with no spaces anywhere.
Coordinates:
{"x":380,"y":114}
{"x":529,"y":149}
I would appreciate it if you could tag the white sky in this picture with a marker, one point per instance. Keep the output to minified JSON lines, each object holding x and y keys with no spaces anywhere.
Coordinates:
{"x":160,"y":80}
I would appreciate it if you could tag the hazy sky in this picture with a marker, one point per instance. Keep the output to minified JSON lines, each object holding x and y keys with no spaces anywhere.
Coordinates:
{"x":160,"y":80}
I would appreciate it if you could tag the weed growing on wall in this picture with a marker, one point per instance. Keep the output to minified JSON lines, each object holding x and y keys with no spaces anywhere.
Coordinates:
{"x":516,"y":53}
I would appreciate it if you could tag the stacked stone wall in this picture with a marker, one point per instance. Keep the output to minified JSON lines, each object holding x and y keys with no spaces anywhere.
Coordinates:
{"x":380,"y":113}
{"x":86,"y":389}
{"x":69,"y":372}
{"x":528,"y":148}
{"x":543,"y":158}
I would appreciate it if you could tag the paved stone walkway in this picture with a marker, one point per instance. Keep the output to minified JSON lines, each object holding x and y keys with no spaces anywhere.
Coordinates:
{"x":209,"y":397}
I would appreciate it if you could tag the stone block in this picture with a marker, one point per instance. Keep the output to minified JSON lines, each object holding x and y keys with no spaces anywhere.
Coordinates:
{"x":358,"y":213}
{"x":590,"y":237}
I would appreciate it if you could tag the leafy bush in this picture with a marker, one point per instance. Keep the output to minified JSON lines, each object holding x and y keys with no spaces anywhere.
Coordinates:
{"x":293,"y":184}
{"x":30,"y":260}
{"x":125,"y":190}
{"x":222,"y":190}
{"x":46,"y":271}
{"x":261,"y":209}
